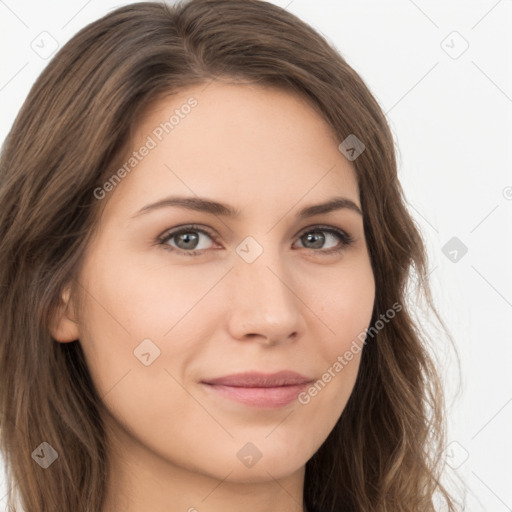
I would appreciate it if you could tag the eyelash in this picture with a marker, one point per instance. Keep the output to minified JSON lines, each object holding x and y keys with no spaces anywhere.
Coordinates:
{"x":345,"y":238}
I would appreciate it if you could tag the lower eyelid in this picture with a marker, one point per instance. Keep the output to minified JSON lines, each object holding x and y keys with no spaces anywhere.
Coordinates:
{"x":344,"y":241}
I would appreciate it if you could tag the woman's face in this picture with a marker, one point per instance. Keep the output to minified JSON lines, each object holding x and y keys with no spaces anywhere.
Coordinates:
{"x":266,"y":290}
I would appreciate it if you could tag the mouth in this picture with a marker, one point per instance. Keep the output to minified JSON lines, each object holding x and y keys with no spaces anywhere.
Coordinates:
{"x":257,"y":389}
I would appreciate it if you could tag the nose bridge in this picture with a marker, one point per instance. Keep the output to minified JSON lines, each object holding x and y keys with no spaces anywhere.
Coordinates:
{"x":262,"y":300}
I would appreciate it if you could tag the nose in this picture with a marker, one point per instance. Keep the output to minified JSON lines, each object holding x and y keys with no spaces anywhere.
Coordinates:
{"x":263,"y":304}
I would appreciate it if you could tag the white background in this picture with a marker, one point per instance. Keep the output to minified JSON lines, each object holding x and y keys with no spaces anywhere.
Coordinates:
{"x":451,"y":116}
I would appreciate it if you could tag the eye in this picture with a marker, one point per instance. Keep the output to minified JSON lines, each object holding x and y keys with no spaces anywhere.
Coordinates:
{"x":187,"y":239}
{"x":315,"y":236}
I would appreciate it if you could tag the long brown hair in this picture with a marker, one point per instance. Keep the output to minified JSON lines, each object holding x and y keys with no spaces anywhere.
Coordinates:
{"x":385,"y":452}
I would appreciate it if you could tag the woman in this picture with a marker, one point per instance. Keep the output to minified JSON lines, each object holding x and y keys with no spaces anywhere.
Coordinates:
{"x":205,"y":255}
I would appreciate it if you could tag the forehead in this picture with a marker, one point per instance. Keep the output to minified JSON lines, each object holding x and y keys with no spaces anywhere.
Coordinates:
{"x":235,"y":141}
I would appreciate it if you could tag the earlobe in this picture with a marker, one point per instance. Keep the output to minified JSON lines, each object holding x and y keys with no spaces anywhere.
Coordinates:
{"x":64,"y":327}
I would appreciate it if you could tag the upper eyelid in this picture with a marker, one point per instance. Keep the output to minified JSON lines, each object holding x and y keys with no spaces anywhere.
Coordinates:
{"x":192,"y":227}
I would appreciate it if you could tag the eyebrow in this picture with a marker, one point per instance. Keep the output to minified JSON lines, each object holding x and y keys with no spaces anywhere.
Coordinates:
{"x":202,"y":204}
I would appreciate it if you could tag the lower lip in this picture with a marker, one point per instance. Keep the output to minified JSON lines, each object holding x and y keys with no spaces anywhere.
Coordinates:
{"x":269,"y":398}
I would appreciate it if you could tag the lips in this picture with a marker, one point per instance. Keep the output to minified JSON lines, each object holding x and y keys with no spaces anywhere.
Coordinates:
{"x":255,"y":389}
{"x":260,"y":380}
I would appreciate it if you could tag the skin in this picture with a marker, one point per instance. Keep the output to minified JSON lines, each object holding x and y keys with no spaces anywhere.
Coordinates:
{"x":173,"y":445}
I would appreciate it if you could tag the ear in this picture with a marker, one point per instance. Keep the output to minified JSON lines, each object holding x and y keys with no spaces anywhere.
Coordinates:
{"x":64,"y":327}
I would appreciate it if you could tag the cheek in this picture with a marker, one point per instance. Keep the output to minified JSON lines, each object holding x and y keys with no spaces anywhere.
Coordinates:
{"x":344,"y":303}
{"x":128,"y":303}
{"x":126,"y":316}
{"x":145,"y":299}
{"x":343,"y":300}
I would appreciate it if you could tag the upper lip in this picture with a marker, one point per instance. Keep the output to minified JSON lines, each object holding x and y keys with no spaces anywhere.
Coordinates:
{"x":260,"y":380}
